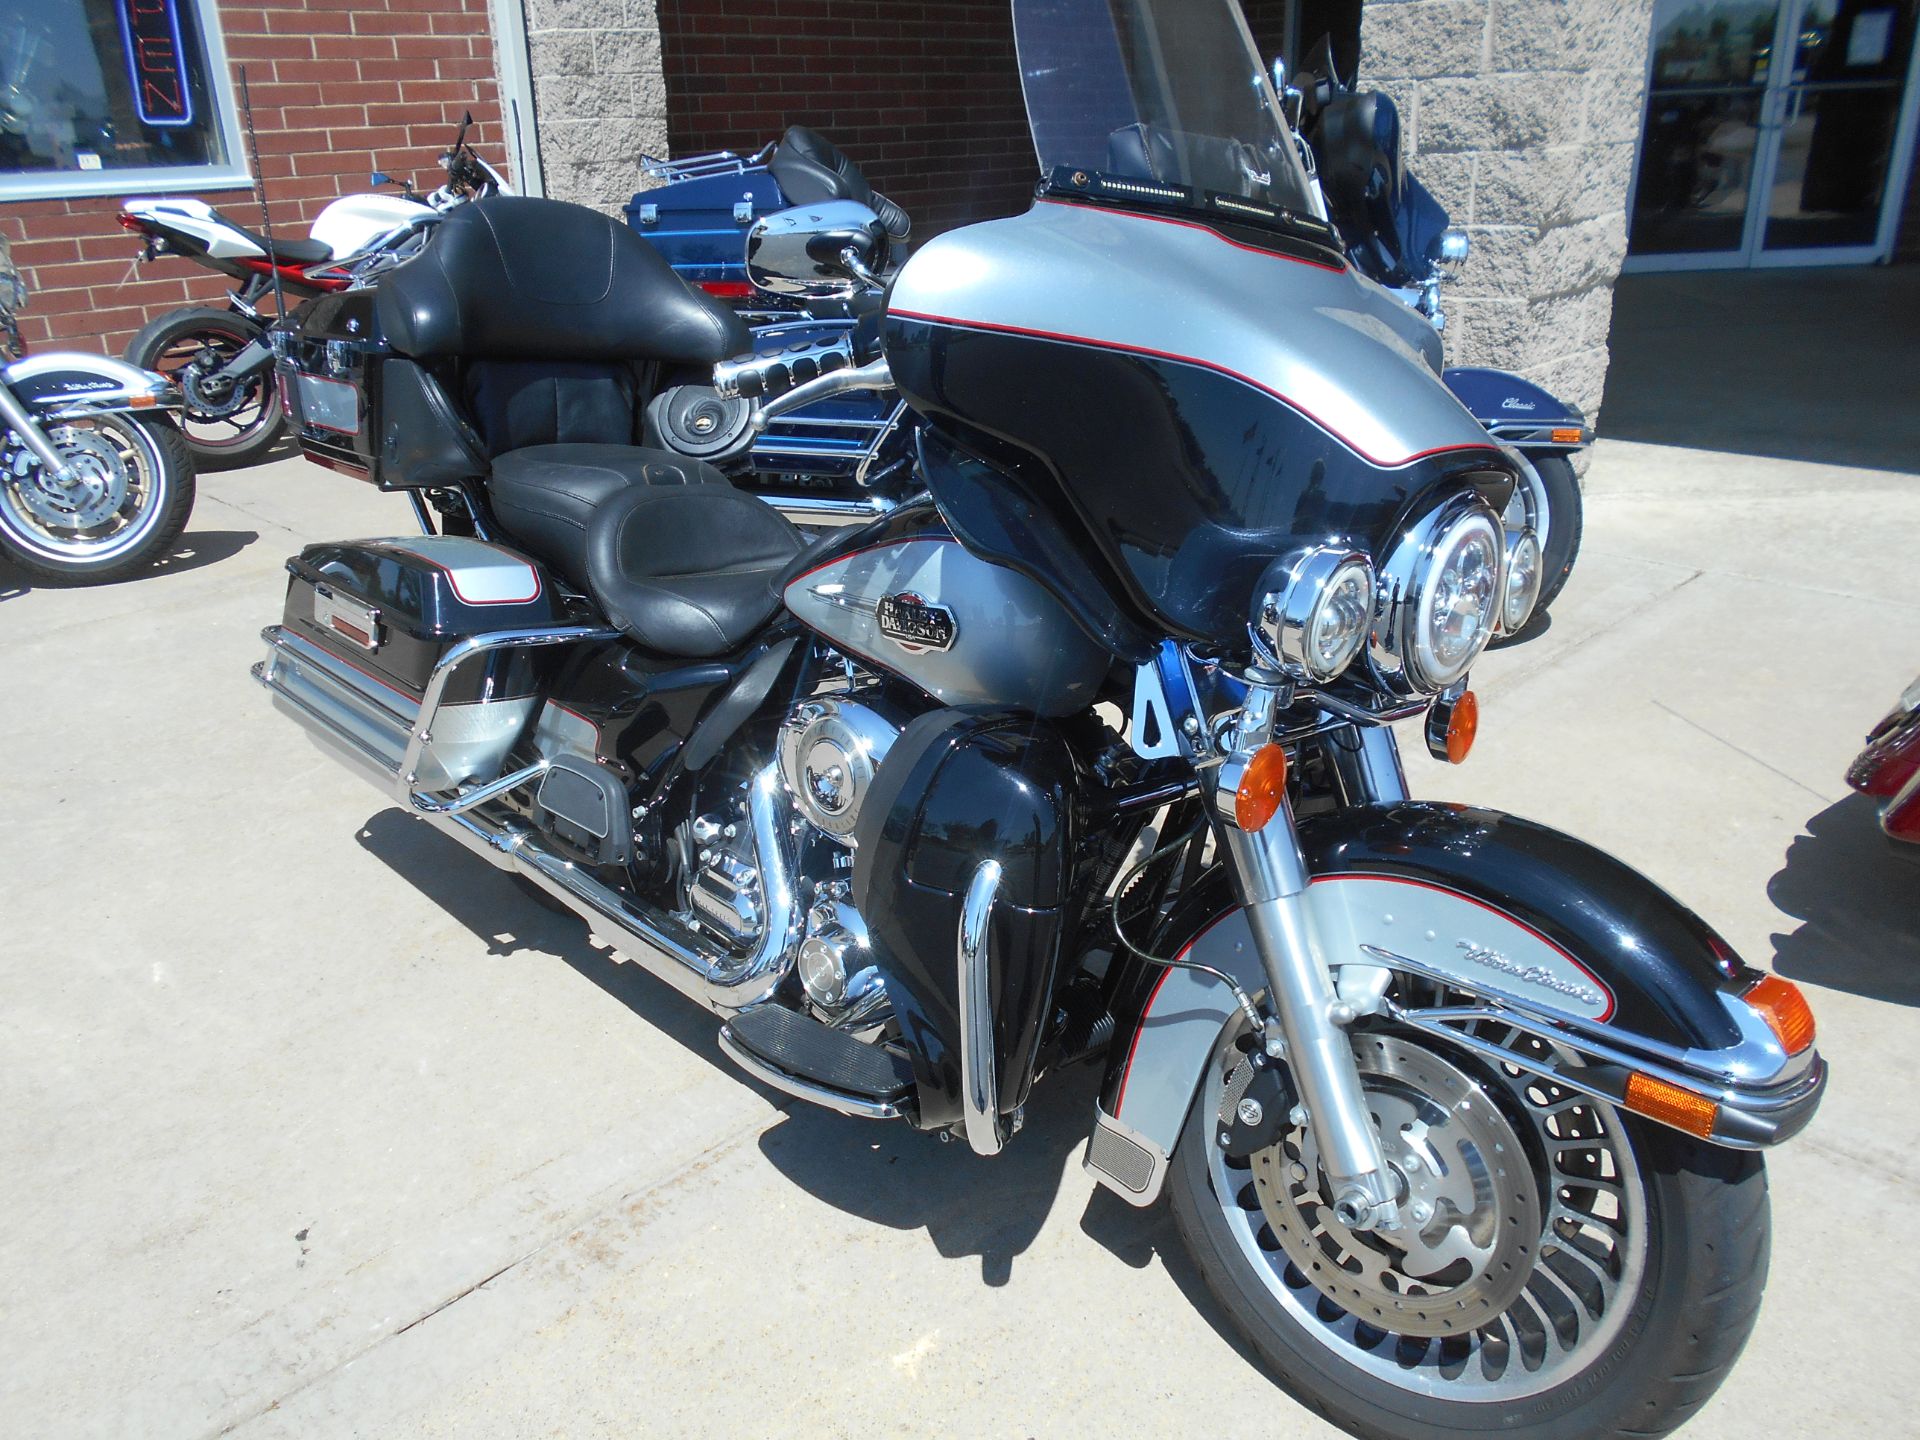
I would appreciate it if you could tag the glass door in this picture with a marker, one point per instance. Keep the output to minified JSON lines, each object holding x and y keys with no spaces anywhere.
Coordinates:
{"x":1772,"y":131}
{"x":1835,"y":130}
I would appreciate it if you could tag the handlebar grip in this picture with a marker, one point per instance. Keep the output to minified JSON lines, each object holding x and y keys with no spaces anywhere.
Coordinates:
{"x":760,"y":377}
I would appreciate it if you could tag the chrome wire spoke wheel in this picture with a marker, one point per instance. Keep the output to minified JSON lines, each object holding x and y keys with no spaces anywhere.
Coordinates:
{"x":1523,"y":1239}
{"x":104,"y":507}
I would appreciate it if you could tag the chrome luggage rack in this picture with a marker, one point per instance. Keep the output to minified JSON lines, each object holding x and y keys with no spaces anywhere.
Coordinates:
{"x":700,"y":167}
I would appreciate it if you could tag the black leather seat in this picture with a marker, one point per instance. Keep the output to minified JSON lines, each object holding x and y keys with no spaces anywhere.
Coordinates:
{"x":288,"y":252}
{"x":554,"y":325}
{"x":545,"y":495}
{"x":811,"y":168}
{"x":688,"y":570}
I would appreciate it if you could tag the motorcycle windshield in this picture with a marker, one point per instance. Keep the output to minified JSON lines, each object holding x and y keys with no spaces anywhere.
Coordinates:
{"x":1166,"y":91}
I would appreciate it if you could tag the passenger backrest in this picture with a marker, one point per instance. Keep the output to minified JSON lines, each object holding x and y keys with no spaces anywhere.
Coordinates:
{"x":517,"y":278}
{"x":549,"y":321}
{"x":517,"y":403}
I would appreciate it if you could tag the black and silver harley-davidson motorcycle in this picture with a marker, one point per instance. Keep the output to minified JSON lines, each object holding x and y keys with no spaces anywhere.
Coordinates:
{"x":1086,"y":757}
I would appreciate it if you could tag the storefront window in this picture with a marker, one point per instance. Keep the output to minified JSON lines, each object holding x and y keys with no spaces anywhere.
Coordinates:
{"x":101,"y":96}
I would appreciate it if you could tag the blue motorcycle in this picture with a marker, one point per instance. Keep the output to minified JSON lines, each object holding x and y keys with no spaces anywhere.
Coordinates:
{"x":825,"y":453}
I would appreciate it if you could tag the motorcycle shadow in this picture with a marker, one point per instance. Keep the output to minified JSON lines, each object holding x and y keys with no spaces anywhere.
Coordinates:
{"x":510,"y":922}
{"x":883,"y":1173}
{"x":1856,"y":898}
{"x":192,"y":551}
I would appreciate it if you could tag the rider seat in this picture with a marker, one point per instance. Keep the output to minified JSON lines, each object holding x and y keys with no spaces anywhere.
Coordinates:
{"x":299,"y":253}
{"x":554,"y":326}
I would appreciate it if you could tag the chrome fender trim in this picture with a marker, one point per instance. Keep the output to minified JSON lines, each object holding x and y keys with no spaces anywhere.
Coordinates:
{"x":66,"y":384}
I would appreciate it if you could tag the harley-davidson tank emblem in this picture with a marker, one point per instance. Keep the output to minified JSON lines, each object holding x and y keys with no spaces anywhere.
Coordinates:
{"x":914,"y":624}
{"x":1531,"y":974}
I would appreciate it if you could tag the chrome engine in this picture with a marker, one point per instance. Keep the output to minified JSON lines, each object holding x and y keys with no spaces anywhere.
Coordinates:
{"x":726,"y":893}
{"x":843,"y":986}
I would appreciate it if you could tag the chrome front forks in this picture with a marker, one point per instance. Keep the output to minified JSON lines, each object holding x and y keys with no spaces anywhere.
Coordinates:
{"x":17,"y":418}
{"x":1272,"y":879}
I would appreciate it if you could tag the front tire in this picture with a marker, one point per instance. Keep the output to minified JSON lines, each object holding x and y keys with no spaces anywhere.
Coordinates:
{"x":1662,"y":1344}
{"x":1569,"y":520}
{"x":225,"y":428}
{"x":126,"y":508}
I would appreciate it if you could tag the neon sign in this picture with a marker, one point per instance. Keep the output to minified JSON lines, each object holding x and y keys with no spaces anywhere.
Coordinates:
{"x":156,"y":62}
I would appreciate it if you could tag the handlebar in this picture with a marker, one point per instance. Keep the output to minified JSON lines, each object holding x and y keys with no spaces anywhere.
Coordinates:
{"x":874,"y":375}
{"x":762,"y":377}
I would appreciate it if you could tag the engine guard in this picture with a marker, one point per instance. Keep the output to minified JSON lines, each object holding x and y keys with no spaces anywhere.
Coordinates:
{"x":1547,"y":933}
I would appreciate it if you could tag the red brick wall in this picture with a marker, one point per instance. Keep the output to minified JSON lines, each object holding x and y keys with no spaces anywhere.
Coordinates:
{"x":340,"y":88}
{"x":925,"y":96}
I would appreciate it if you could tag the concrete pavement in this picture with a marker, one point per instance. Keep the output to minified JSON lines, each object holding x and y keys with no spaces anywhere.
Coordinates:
{"x":315,"y":1126}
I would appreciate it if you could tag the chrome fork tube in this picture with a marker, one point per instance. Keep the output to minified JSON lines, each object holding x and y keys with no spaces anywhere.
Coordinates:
{"x":1369,"y":773}
{"x":20,"y":420}
{"x":1271,"y":875}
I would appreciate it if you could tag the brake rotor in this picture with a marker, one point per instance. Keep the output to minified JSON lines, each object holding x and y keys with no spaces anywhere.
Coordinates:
{"x":91,"y":496}
{"x":1469,"y":1212}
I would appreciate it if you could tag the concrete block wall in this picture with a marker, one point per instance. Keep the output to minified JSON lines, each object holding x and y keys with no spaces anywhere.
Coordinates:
{"x":1522,"y":117}
{"x":599,"y":96}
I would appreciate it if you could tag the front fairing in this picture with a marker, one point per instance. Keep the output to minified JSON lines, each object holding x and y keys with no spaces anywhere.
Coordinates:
{"x":1194,"y":398}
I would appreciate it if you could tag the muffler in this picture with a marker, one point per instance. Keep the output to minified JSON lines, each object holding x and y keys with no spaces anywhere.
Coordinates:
{"x":371,"y":733}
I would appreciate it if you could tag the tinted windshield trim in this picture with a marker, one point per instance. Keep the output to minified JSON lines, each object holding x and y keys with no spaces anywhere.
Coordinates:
{"x":1307,"y":243}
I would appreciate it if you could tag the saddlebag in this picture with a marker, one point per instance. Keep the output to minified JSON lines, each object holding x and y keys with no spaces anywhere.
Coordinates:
{"x":358,"y":408}
{"x":367,"y":623}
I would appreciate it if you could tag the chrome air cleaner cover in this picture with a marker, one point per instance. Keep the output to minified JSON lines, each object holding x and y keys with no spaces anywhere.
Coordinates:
{"x":829,"y":751}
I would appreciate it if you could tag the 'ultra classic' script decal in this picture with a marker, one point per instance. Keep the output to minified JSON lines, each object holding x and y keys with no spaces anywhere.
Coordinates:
{"x":1485,"y":949}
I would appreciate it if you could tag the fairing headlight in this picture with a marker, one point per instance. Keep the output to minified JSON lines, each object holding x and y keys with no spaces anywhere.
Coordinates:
{"x":1520,"y":590}
{"x":1315,"y":620}
{"x":1441,"y":597}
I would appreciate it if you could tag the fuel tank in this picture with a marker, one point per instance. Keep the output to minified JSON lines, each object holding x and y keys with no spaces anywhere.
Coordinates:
{"x":352,"y":222}
{"x":903,"y":594}
{"x":1191,"y":398}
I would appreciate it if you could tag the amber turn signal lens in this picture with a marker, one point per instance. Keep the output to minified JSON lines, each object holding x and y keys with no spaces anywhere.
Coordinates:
{"x":1780,"y":1003}
{"x":1564,"y":437}
{"x":1462,"y":725}
{"x":1263,"y":787}
{"x":1671,"y":1104}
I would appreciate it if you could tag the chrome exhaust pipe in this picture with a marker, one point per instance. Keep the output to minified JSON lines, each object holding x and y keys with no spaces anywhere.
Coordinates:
{"x":387,"y":749}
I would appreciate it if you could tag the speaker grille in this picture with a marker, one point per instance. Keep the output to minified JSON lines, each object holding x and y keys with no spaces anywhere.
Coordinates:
{"x":1127,"y":1163}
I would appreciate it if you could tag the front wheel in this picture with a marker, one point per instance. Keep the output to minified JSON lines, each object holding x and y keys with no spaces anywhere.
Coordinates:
{"x":1577,"y":1273}
{"x":227,"y":424}
{"x":124,"y":503}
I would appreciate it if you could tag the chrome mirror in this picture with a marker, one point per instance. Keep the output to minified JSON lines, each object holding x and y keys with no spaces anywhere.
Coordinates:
{"x":1449,"y":250}
{"x":827,"y":251}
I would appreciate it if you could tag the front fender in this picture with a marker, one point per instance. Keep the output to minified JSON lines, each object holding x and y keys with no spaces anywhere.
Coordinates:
{"x":1521,"y":915}
{"x":1517,"y":410}
{"x":67,"y":383}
